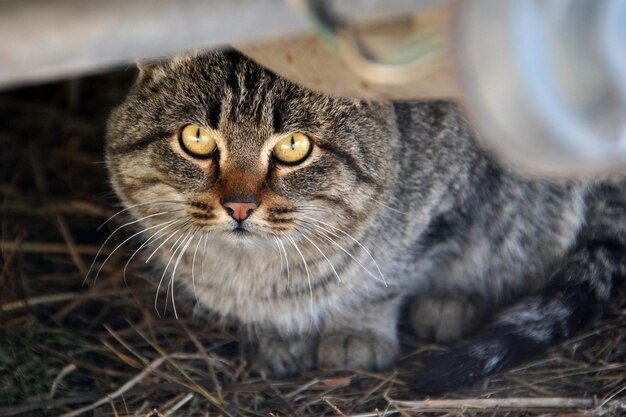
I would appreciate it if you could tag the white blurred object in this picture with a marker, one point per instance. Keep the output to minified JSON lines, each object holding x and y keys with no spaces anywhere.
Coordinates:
{"x":545,"y":81}
{"x":406,"y":57}
{"x":43,"y":40}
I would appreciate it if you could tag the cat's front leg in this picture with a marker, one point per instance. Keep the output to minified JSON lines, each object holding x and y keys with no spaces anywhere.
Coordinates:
{"x":284,"y":356}
{"x":364,"y":338}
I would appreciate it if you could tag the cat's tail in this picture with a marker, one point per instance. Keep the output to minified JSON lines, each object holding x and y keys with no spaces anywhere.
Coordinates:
{"x":579,"y":291}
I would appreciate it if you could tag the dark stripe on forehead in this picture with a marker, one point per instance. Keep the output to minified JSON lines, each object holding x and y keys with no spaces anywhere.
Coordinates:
{"x":281,"y":101}
{"x":252,"y":77}
{"x":277,"y":120}
{"x":250,"y":85}
{"x":232,"y":82}
{"x":215,"y":112}
{"x":139,"y":144}
{"x":208,"y":96}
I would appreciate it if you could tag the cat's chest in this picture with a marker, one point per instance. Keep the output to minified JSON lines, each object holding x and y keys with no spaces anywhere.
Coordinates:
{"x":266,"y":288}
{"x":222,"y":269}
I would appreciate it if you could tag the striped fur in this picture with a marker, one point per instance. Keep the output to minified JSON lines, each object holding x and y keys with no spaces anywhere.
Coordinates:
{"x":578,"y":291}
{"x":395,"y":205}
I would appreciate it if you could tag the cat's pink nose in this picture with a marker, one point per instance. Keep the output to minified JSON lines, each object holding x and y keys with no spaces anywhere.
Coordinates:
{"x":238,"y":210}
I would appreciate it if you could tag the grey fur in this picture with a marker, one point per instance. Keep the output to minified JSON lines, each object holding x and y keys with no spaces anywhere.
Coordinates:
{"x":437,"y":221}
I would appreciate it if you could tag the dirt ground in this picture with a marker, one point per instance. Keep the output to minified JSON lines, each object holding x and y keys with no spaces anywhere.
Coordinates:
{"x":76,"y":347}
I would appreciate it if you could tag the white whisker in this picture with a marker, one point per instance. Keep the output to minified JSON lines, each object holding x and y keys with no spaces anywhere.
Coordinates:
{"x":156,"y":297}
{"x":111,"y":235}
{"x":206,"y":239}
{"x":161,"y":245}
{"x":173,"y":277}
{"x":193,"y":268}
{"x":324,"y":255}
{"x":306,"y":268}
{"x":387,"y":206}
{"x":136,"y":205}
{"x":355,"y":241}
{"x":286,"y":260}
{"x":174,"y":244}
{"x":329,"y":239}
{"x":280,"y":254}
{"x":148,"y":241}
{"x":120,"y":245}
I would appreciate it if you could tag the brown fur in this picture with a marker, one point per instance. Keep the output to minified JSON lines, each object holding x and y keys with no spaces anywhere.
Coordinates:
{"x":394,"y":204}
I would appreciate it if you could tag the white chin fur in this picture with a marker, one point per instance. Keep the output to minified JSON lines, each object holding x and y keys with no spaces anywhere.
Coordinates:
{"x":245,"y":239}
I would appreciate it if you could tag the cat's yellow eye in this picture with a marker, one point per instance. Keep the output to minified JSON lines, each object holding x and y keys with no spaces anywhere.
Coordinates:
{"x":196,"y":141}
{"x":293,"y":148}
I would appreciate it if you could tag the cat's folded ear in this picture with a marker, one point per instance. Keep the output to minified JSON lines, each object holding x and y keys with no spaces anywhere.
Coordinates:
{"x":151,"y":68}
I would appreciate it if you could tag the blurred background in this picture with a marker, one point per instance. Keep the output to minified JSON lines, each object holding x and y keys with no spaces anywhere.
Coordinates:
{"x":542,"y":81}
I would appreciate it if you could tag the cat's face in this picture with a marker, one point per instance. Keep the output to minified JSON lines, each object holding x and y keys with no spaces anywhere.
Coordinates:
{"x":216,"y":144}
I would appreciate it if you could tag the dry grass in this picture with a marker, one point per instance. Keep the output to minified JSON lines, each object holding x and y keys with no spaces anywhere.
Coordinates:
{"x":100,"y":349}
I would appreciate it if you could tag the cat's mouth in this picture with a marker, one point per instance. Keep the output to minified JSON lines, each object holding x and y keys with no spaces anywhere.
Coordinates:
{"x":241,"y":233}
{"x":241,"y":236}
{"x":246,"y":235}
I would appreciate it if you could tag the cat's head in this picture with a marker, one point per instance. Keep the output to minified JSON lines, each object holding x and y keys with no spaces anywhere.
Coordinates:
{"x":217,"y":144}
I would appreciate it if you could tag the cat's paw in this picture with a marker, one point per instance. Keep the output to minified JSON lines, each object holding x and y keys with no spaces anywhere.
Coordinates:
{"x":286,"y":357}
{"x":364,"y":351}
{"x":444,"y":320}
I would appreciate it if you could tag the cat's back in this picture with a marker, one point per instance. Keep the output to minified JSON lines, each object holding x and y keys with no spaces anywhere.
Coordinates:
{"x":475,"y":220}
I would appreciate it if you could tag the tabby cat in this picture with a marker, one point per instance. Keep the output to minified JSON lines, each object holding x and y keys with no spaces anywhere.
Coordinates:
{"x":312,"y":221}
